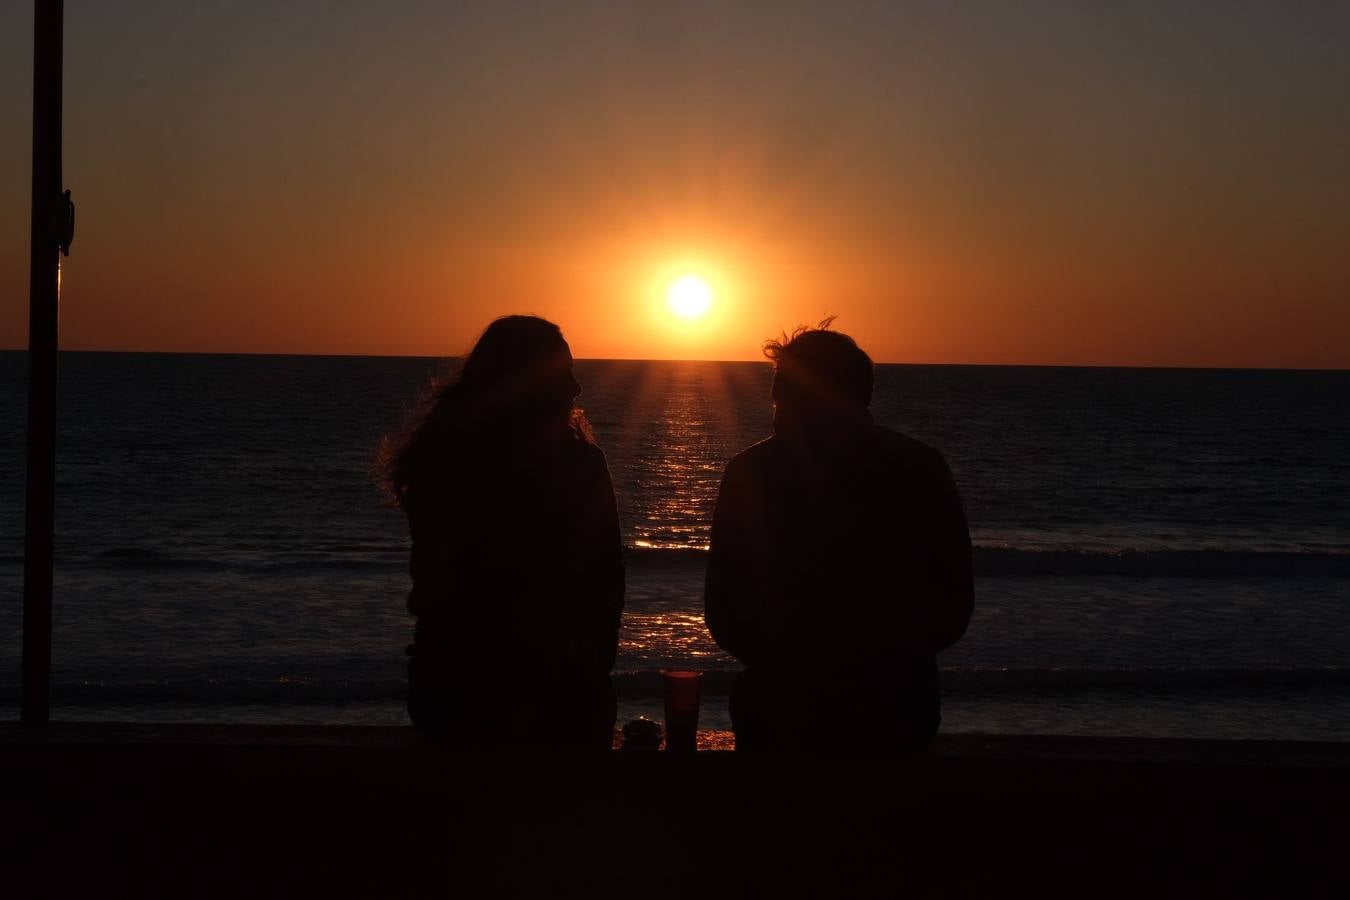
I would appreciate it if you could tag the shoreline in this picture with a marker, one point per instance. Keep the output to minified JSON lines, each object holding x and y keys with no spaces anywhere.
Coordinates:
{"x":85,"y":737}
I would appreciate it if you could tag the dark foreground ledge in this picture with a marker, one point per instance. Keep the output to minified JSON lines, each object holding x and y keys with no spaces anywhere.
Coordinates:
{"x":225,"y":810}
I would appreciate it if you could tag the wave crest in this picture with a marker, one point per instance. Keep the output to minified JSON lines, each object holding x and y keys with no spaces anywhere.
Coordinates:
{"x":303,"y":691}
{"x":991,"y":560}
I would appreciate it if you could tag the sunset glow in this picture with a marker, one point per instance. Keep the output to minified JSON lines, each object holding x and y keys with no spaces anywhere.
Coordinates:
{"x":689,"y":297}
{"x":986,"y":184}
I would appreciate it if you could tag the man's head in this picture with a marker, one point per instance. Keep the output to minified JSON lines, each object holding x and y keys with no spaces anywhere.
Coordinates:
{"x":819,"y":375}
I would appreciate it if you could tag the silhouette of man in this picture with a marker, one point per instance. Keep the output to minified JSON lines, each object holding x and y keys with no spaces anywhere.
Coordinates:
{"x":840,"y":564}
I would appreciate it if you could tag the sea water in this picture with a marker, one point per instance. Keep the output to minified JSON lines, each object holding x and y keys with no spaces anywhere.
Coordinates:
{"x":1158,"y":552}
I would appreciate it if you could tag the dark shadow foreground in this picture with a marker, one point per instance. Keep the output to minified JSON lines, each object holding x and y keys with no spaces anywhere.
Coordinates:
{"x":244,"y":811}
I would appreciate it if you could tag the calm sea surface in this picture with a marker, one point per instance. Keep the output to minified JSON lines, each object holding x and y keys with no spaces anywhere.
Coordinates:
{"x":1159,"y":552}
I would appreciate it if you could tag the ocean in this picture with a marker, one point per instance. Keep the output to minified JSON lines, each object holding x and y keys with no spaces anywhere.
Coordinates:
{"x":1158,"y":552}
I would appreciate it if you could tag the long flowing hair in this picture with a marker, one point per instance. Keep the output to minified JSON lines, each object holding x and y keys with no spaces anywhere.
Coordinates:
{"x":515,"y":388}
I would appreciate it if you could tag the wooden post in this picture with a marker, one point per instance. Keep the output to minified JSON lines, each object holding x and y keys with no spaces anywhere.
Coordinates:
{"x":49,"y":235}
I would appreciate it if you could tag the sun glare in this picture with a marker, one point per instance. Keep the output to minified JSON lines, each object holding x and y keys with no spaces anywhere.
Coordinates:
{"x":689,"y":297}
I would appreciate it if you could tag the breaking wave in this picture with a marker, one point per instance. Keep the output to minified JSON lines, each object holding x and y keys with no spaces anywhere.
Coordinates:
{"x":989,"y":560}
{"x":304,"y":690}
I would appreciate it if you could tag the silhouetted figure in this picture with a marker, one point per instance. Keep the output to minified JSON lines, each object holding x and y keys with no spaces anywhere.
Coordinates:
{"x":517,"y":569}
{"x":840,"y":564}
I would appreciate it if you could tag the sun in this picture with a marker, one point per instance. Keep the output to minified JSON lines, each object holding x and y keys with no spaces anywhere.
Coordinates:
{"x":689,"y":297}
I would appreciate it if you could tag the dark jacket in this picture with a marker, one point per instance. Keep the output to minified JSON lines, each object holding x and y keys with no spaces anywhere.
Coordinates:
{"x":518,"y":585}
{"x":839,"y":567}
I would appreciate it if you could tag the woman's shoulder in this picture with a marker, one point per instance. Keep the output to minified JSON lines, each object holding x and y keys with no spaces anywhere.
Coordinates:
{"x":585,"y":456}
{"x":578,"y":472}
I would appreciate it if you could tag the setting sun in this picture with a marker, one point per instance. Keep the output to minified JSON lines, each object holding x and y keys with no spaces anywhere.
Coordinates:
{"x":689,"y":297}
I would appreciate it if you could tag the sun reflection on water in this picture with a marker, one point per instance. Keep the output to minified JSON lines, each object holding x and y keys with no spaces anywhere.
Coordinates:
{"x":671,"y":430}
{"x":666,"y":637}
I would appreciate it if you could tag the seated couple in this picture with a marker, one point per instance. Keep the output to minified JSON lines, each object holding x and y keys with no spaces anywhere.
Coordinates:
{"x":839,"y":565}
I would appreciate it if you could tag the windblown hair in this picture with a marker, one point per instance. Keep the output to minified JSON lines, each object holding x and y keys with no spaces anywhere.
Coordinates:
{"x":821,"y":368}
{"x":505,"y":391}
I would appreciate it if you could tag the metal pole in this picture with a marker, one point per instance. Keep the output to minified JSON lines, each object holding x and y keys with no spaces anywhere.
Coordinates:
{"x":48,"y":228}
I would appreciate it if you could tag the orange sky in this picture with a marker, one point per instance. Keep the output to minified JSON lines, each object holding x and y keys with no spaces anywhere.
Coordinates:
{"x":1051,"y":184}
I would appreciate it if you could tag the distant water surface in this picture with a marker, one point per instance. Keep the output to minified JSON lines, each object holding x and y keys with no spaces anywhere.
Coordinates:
{"x":1161,"y":552}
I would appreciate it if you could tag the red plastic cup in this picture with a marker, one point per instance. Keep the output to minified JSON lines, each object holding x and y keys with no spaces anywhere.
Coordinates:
{"x":681,"y":695}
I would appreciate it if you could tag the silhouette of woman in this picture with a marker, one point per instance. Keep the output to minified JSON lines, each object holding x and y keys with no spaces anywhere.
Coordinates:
{"x":517,"y":570}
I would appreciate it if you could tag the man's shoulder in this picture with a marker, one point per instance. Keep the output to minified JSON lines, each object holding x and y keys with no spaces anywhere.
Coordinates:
{"x":755,"y":456}
{"x":755,"y":464}
{"x":908,"y":451}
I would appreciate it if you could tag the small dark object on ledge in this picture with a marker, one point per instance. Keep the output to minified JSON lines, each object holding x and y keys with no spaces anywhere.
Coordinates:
{"x":642,"y":734}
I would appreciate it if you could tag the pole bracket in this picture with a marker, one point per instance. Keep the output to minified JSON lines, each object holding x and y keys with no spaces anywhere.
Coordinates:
{"x":63,"y":222}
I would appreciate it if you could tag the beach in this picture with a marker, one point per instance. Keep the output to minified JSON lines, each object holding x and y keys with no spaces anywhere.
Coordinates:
{"x":270,"y":811}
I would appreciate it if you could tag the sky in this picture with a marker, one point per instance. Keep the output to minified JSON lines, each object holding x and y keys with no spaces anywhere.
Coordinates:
{"x":1005,"y":183}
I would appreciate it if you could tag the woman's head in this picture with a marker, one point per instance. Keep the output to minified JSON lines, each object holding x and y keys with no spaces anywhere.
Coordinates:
{"x":515,"y":388}
{"x":518,"y":373}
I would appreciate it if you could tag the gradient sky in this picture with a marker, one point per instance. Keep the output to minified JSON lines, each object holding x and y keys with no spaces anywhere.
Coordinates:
{"x":1043,"y":183}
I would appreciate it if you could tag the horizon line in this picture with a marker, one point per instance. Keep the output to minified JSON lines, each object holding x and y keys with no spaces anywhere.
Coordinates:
{"x":972,"y":365}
